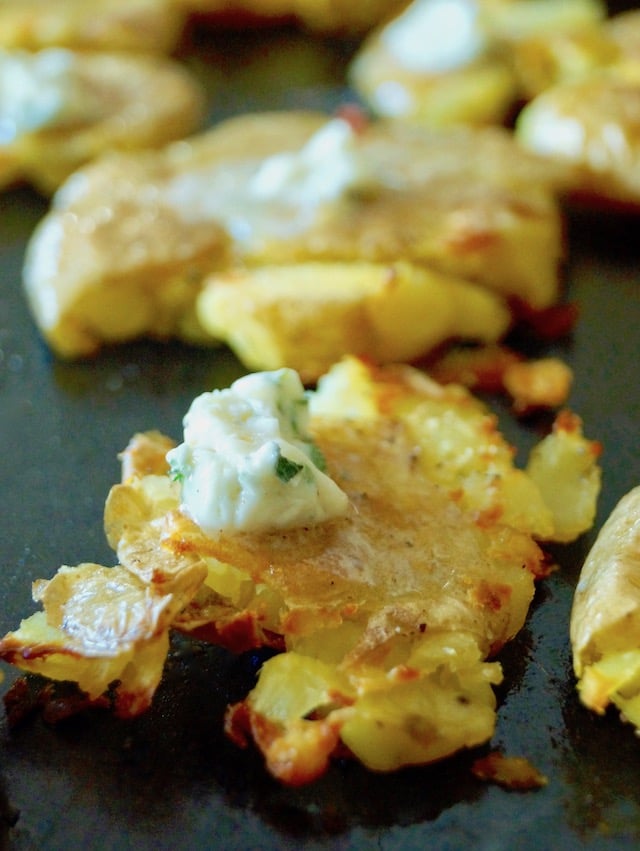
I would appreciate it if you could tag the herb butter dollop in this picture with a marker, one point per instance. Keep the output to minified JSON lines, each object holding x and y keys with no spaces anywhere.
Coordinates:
{"x":248,"y":463}
{"x":325,"y":169}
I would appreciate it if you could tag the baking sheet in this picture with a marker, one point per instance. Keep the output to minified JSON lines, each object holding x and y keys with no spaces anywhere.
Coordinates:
{"x":170,"y":779}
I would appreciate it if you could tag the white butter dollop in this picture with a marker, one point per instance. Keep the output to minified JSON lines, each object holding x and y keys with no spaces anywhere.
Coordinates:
{"x":436,"y":36}
{"x":39,"y":90}
{"x":248,"y":464}
{"x":281,"y":194}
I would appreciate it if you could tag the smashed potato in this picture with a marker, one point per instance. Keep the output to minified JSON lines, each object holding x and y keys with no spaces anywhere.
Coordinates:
{"x":280,"y":189}
{"x":388,"y":615}
{"x":60,"y":109}
{"x":605,"y":617}
{"x":441,"y":63}
{"x":140,"y":25}
{"x":592,"y":124}
{"x":584,"y":106}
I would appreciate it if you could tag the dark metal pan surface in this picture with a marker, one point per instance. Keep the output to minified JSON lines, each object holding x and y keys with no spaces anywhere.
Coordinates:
{"x":170,"y":779}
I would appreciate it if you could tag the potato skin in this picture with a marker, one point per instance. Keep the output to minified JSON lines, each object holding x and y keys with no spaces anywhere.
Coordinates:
{"x":605,"y":616}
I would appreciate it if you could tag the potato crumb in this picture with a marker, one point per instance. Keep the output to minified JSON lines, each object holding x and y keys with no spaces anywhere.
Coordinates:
{"x":512,"y":772}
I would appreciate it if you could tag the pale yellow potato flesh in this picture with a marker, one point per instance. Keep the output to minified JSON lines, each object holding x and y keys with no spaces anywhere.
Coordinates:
{"x":469,"y":204}
{"x":124,"y":113}
{"x":308,"y":315}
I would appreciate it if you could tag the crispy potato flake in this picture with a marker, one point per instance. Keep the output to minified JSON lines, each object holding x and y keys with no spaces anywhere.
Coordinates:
{"x":513,"y":772}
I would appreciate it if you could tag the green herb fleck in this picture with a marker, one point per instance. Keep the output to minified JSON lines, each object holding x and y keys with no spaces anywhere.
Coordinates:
{"x":176,"y":474}
{"x":317,"y":457}
{"x":286,"y":469}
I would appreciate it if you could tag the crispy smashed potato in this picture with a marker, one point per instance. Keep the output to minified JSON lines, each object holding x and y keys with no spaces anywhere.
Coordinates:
{"x":140,"y":25}
{"x":605,"y":618}
{"x":461,"y":61}
{"x":469,"y":457}
{"x":69,"y":107}
{"x":280,"y":189}
{"x":158,"y":26}
{"x":433,"y":64}
{"x":387,"y":616}
{"x":548,"y":59}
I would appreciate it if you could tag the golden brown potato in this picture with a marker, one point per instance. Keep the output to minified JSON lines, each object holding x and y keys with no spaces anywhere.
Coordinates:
{"x":147,"y":25}
{"x":605,"y":618}
{"x":387,"y":613}
{"x":101,"y":625}
{"x":61,"y":109}
{"x":280,"y":189}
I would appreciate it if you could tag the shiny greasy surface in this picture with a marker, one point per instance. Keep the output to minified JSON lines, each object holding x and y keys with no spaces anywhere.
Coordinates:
{"x":170,"y":779}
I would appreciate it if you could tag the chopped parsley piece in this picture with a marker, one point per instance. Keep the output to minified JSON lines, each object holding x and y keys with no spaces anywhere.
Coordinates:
{"x":286,"y":469}
{"x":176,"y":474}
{"x":317,"y":457}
